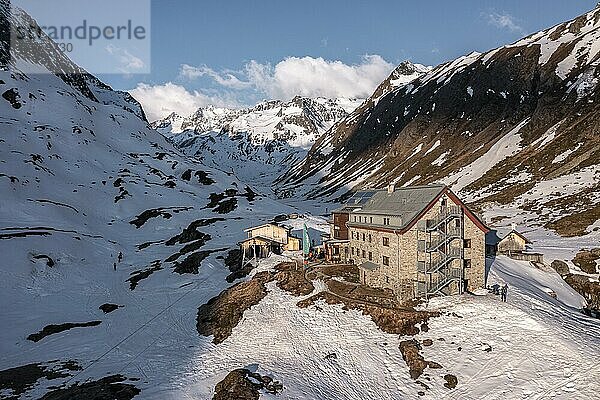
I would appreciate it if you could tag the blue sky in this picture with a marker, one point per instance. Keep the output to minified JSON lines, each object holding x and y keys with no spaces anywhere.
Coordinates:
{"x":231,"y":50}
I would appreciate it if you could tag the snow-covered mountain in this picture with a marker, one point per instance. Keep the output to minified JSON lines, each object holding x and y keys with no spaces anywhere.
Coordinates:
{"x":257,"y":142}
{"x":113,"y":241}
{"x":109,"y":235}
{"x":517,"y":126}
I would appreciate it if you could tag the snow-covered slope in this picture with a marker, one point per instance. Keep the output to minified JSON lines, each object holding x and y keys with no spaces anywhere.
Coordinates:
{"x":532,"y":347}
{"x":256,"y":143}
{"x":84,"y":178}
{"x":503,"y":127}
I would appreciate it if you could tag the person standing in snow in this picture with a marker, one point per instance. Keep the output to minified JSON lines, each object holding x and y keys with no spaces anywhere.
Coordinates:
{"x":504,"y":292}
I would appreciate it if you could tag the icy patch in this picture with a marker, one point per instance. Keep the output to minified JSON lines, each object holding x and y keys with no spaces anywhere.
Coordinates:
{"x":547,"y":137}
{"x":441,"y":159}
{"x":563,"y":156}
{"x":416,"y":150}
{"x":412,"y":180}
{"x":435,"y":146}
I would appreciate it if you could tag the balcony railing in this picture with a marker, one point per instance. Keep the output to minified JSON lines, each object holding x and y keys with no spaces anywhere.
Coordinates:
{"x":453,"y":253}
{"x":453,"y":274}
{"x":448,"y":236}
{"x":445,"y":214}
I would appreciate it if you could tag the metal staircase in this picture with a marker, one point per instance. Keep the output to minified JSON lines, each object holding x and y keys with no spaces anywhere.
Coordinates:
{"x":439,"y":270}
{"x":453,"y":274}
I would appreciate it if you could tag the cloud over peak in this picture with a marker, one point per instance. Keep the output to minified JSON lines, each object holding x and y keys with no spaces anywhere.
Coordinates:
{"x":315,"y":77}
{"x":504,"y":21}
{"x":305,"y":76}
{"x":160,"y":101}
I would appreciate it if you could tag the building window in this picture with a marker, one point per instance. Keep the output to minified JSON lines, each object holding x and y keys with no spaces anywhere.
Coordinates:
{"x":387,"y":279}
{"x":370,"y":238}
{"x":370,"y":256}
{"x":386,"y":221}
{"x":421,"y":245}
{"x":467,"y":263}
{"x":364,"y":254}
{"x":443,"y":202}
{"x":386,"y":260}
{"x":421,"y":266}
{"x":386,"y":242}
{"x":370,"y":220}
{"x":467,"y":243}
{"x":363,"y":235}
{"x":353,"y":251}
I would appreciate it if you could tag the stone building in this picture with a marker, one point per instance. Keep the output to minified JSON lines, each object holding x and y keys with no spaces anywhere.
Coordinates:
{"x":337,"y":246}
{"x":419,"y":241}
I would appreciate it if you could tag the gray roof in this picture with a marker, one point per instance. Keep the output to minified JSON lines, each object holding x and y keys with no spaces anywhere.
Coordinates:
{"x":405,"y":202}
{"x":369,"y":266}
{"x":356,"y":201}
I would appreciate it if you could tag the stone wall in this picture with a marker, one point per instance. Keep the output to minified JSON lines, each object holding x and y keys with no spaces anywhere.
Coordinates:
{"x":475,"y":275}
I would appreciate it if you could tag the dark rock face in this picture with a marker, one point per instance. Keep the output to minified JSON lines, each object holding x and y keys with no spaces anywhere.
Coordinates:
{"x":589,"y":290}
{"x":586,"y":260}
{"x":52,"y":329}
{"x":18,"y":380}
{"x":108,"y":307}
{"x":415,"y":361}
{"x":221,"y":314}
{"x":560,"y":267}
{"x":468,"y":105}
{"x":451,"y":381}
{"x":12,"y":96}
{"x":108,"y":388}
{"x":245,"y":385}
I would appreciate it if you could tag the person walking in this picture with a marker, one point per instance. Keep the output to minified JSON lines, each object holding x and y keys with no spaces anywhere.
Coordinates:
{"x":504,"y":292}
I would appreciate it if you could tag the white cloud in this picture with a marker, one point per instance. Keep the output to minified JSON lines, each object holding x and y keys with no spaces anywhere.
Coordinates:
{"x":504,"y":21}
{"x":226,"y":79}
{"x":128,"y":62}
{"x":162,"y":100}
{"x":305,"y":76}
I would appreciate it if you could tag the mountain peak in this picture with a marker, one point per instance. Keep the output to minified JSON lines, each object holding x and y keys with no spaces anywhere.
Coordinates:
{"x":409,"y":68}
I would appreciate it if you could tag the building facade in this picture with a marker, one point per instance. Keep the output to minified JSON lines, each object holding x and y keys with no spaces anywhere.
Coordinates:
{"x":511,"y":243}
{"x":419,"y":241}
{"x":270,"y":238}
{"x":337,"y":246}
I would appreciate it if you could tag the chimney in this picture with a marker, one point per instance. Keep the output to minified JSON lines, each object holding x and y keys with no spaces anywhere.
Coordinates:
{"x":391,"y":188}
{"x":513,"y":226}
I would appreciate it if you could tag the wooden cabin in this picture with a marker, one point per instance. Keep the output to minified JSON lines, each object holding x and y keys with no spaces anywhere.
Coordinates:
{"x":267,"y":239}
